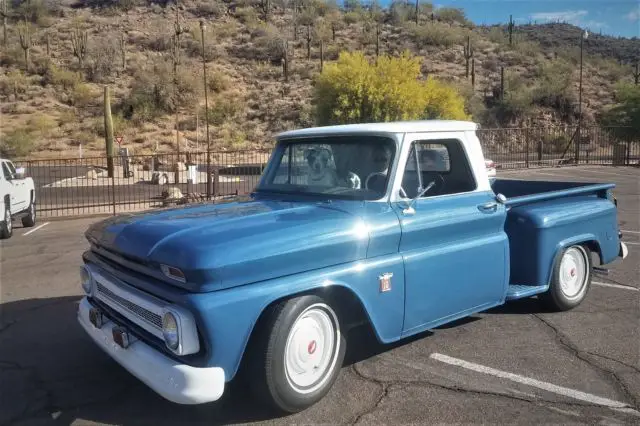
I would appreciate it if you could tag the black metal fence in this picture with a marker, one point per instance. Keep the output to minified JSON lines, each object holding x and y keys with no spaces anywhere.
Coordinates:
{"x":81,"y":186}
{"x":516,"y":148}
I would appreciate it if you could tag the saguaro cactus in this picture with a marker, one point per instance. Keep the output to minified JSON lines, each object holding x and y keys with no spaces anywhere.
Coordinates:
{"x":377,"y":39}
{"x":468,"y":54}
{"x":308,"y":42}
{"x":511,"y":26}
{"x":24,"y":32}
{"x":79,"y":42}
{"x":285,"y":60}
{"x":501,"y":83}
{"x":473,"y":72}
{"x":108,"y":131}
{"x":636,"y":73}
{"x":417,"y":11}
{"x":5,"y":15}
{"x":123,"y":51}
{"x":48,"y":44}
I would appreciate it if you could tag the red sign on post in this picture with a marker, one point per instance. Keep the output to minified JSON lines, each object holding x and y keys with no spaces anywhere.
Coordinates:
{"x":119,"y":140}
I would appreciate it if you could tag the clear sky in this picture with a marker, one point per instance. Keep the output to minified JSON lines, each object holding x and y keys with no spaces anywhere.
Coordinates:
{"x":613,"y":17}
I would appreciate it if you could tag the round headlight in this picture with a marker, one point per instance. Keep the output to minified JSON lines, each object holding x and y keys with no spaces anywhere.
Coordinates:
{"x":170,"y":331}
{"x":85,"y":279}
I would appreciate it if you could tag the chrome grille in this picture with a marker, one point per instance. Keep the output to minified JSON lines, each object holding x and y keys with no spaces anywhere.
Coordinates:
{"x":137,"y":306}
{"x":141,"y":312}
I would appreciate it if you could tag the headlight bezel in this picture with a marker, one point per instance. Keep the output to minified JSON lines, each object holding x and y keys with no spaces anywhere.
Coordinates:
{"x":86,"y":284}
{"x":187,"y":333}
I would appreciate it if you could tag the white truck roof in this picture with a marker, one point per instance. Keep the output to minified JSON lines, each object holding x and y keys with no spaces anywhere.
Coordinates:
{"x":417,"y":126}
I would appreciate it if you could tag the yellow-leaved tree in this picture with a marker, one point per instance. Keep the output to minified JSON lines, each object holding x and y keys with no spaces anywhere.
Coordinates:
{"x":355,"y":90}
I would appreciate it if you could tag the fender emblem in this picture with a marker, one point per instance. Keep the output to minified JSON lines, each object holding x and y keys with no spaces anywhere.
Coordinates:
{"x":385,"y":282}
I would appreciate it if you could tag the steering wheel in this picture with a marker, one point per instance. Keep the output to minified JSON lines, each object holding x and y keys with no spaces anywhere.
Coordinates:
{"x":366,"y":182}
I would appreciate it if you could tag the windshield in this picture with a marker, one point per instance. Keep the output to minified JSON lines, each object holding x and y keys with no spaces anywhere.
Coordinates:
{"x":350,"y":167}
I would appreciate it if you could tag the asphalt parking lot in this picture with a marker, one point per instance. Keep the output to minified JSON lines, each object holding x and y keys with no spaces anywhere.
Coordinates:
{"x":516,"y":364}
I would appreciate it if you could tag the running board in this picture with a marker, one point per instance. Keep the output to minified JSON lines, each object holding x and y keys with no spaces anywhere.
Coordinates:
{"x":516,"y":291}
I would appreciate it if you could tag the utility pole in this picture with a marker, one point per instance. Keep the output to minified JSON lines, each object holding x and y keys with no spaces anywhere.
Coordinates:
{"x":206,"y":112}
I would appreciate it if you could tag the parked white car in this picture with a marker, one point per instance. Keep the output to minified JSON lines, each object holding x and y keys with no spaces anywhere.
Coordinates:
{"x":17,"y":198}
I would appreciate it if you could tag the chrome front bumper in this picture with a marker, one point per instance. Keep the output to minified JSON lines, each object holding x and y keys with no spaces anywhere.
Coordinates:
{"x":624,"y":251}
{"x":179,"y":383}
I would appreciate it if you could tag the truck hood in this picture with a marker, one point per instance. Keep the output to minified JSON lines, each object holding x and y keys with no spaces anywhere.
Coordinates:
{"x":224,"y":245}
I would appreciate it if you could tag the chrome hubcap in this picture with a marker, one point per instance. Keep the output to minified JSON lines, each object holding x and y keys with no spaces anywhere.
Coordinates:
{"x":312,"y":348}
{"x":573,"y":272}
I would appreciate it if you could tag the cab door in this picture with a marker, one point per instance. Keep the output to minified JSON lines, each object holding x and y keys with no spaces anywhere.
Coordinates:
{"x":453,"y":241}
{"x":15,"y":188}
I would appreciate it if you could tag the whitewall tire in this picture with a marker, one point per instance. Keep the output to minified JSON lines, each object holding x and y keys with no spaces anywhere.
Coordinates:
{"x":300,"y":354}
{"x":571,"y":278}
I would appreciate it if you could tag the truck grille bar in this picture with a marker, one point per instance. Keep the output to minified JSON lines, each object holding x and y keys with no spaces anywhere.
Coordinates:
{"x":138,"y":307}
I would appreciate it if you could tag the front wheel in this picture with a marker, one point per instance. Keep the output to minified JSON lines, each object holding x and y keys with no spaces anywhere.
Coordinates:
{"x":6,"y":227}
{"x":571,"y":279}
{"x":301,"y":354}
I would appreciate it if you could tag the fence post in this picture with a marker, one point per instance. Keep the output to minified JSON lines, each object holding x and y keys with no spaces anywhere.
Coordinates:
{"x":216,"y":181}
{"x":526,"y":144}
{"x":113,"y":192}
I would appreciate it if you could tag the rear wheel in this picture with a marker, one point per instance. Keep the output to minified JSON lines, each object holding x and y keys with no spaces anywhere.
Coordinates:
{"x":6,"y":227}
{"x":30,"y":219}
{"x":571,"y":279}
{"x":300,"y":354}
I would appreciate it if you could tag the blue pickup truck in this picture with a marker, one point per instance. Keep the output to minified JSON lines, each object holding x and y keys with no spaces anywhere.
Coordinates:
{"x":394,"y":225}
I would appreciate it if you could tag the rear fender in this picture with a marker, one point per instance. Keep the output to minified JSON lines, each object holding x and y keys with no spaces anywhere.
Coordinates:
{"x":588,"y":239}
{"x":227,"y":318}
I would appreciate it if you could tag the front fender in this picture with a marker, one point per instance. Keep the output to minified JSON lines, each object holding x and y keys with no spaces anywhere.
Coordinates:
{"x":227,"y":318}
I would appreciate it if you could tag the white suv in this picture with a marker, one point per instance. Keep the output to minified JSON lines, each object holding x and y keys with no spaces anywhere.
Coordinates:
{"x":17,"y":198}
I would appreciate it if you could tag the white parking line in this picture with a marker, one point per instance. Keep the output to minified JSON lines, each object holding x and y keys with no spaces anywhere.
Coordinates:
{"x":571,"y":393}
{"x":632,"y":243}
{"x":630,"y":232}
{"x":623,"y":287}
{"x":35,"y":229}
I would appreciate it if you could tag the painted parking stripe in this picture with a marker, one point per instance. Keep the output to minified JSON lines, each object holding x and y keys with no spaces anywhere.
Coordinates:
{"x":632,"y":243}
{"x":36,"y":228}
{"x":550,"y":387}
{"x":630,"y":232}
{"x":623,"y":287}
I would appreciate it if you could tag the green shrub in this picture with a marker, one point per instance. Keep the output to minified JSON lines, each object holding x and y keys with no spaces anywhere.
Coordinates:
{"x":152,"y":93}
{"x":18,"y":143}
{"x":436,"y":34}
{"x":356,"y":90}
{"x":554,"y":86}
{"x":451,"y":15}
{"x":625,"y":113}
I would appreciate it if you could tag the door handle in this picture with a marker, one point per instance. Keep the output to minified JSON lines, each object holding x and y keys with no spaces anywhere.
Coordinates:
{"x":488,"y":207}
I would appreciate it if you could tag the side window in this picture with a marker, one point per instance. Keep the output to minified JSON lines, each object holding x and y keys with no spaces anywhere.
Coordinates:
{"x":6,"y":172}
{"x":12,"y":169}
{"x":441,"y":165}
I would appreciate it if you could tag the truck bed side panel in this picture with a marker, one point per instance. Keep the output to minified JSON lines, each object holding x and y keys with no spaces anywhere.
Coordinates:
{"x":511,"y":188}
{"x":537,"y":232}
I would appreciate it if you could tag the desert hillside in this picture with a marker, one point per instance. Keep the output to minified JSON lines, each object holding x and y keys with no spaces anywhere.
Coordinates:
{"x":59,"y":55}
